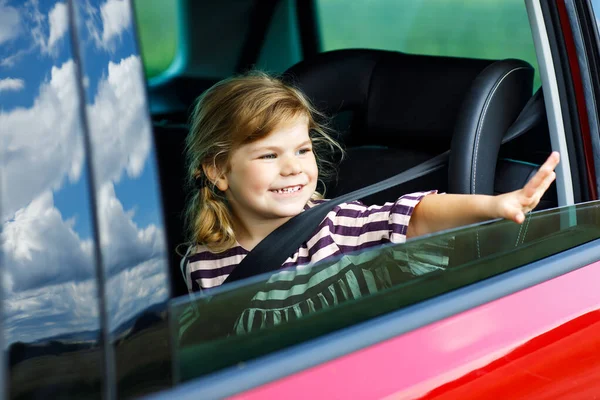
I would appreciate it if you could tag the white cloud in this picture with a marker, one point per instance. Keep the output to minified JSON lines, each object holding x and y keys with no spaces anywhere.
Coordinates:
{"x":116,"y":18}
{"x":58,"y":23}
{"x":124,"y":244}
{"x":11,"y":60}
{"x":47,"y":264}
{"x":41,"y":146}
{"x":13,"y":84}
{"x":35,"y":157}
{"x":49,"y":269}
{"x":106,"y":24}
{"x":47,"y":30}
{"x":38,"y":21}
{"x":10,"y":22}
{"x":40,"y":248}
{"x":135,"y":289}
{"x":63,"y":308}
{"x":134,"y":258}
{"x":120,"y":128}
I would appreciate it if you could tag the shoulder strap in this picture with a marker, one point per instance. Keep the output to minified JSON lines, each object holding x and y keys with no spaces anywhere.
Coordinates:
{"x":280,"y":244}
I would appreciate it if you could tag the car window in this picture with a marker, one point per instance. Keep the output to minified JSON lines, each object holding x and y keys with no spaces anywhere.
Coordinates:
{"x":51,"y":303}
{"x":157,"y":24}
{"x":133,"y":263}
{"x":492,"y":29}
{"x":296,"y":306}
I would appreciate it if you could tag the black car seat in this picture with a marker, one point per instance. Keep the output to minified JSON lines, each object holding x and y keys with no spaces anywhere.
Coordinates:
{"x":394,"y":110}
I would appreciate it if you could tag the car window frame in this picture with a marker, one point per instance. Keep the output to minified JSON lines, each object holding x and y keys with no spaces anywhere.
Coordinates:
{"x":552,"y":98}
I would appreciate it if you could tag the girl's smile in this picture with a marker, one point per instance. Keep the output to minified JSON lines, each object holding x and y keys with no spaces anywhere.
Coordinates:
{"x":289,"y":190}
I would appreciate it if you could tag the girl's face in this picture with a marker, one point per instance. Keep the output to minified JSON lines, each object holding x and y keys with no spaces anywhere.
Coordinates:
{"x":271,"y":180}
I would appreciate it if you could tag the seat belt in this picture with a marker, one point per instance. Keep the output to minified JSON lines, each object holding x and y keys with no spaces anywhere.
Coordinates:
{"x":284,"y":241}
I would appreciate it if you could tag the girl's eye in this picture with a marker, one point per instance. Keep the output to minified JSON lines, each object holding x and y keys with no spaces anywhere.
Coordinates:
{"x":304,"y":151}
{"x":268,"y":156}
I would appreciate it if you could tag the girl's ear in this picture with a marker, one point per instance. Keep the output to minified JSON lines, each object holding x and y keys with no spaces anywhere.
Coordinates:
{"x":215,"y":176}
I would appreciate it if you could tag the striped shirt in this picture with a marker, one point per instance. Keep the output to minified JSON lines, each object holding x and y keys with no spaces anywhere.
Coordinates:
{"x":347,"y":228}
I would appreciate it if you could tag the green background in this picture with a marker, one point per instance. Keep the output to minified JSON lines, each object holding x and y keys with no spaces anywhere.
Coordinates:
{"x":492,"y":29}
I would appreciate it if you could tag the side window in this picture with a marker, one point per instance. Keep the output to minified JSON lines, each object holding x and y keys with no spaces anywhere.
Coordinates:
{"x":495,"y":29}
{"x":51,"y":299}
{"x":133,"y":256}
{"x":158,"y":34}
{"x":269,"y":313}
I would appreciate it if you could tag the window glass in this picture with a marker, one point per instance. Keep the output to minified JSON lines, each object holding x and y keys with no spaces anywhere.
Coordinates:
{"x":132,"y":246}
{"x":157,"y":32}
{"x":491,"y":29}
{"x":51,"y":299}
{"x":248,"y":319}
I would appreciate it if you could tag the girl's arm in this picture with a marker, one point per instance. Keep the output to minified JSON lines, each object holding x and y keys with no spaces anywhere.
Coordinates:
{"x":439,"y":212}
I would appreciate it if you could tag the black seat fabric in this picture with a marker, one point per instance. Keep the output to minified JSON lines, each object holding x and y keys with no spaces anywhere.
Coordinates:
{"x":492,"y":104}
{"x":395,"y":110}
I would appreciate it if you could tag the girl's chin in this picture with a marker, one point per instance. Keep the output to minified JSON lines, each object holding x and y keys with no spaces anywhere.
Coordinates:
{"x":289,"y":210}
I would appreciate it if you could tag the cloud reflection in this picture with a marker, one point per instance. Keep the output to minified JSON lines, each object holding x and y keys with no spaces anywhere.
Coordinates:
{"x":11,"y":84}
{"x":41,"y":146}
{"x":49,"y":276}
{"x":119,"y":124}
{"x":107,"y":23}
{"x":10,"y":22}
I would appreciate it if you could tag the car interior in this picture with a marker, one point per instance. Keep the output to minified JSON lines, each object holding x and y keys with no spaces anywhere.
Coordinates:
{"x":391,"y":110}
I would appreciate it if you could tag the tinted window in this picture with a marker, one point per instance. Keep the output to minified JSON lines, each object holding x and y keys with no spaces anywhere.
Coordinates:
{"x":491,"y":29}
{"x":50,"y":298}
{"x":238,"y":323}
{"x":125,"y":185}
{"x":157,"y":22}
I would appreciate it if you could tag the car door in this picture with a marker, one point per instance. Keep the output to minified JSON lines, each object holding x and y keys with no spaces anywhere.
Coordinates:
{"x":87,"y":310}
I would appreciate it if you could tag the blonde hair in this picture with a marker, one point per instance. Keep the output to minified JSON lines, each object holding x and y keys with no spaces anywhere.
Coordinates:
{"x":233,"y":112}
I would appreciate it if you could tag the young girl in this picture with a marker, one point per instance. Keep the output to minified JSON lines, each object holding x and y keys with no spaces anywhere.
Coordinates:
{"x":255,"y":152}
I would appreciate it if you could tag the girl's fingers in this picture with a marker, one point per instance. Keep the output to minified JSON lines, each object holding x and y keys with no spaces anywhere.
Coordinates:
{"x":519,"y":217}
{"x":535,"y":183}
{"x":540,"y":179}
{"x":546,"y":183}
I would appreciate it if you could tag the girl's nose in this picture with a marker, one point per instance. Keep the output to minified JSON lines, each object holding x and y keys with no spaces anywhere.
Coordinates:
{"x":290,"y":166}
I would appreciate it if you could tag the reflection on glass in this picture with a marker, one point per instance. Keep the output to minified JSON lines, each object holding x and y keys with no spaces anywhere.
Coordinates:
{"x":131,"y":235}
{"x":234,"y":324}
{"x":49,"y":293}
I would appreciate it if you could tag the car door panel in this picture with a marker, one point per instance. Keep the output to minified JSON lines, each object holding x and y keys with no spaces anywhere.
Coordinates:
{"x":537,"y":343}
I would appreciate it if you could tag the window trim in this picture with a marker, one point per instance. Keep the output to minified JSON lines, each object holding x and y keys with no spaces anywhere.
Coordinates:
{"x":556,"y":123}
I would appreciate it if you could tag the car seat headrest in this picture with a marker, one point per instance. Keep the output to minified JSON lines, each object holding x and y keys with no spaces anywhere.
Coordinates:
{"x":393,"y":99}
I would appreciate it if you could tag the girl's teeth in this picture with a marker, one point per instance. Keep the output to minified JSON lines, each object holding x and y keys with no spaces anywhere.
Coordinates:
{"x":288,"y":190}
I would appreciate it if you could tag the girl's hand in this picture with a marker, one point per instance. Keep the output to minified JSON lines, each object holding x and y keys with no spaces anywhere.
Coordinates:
{"x":515,"y":205}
